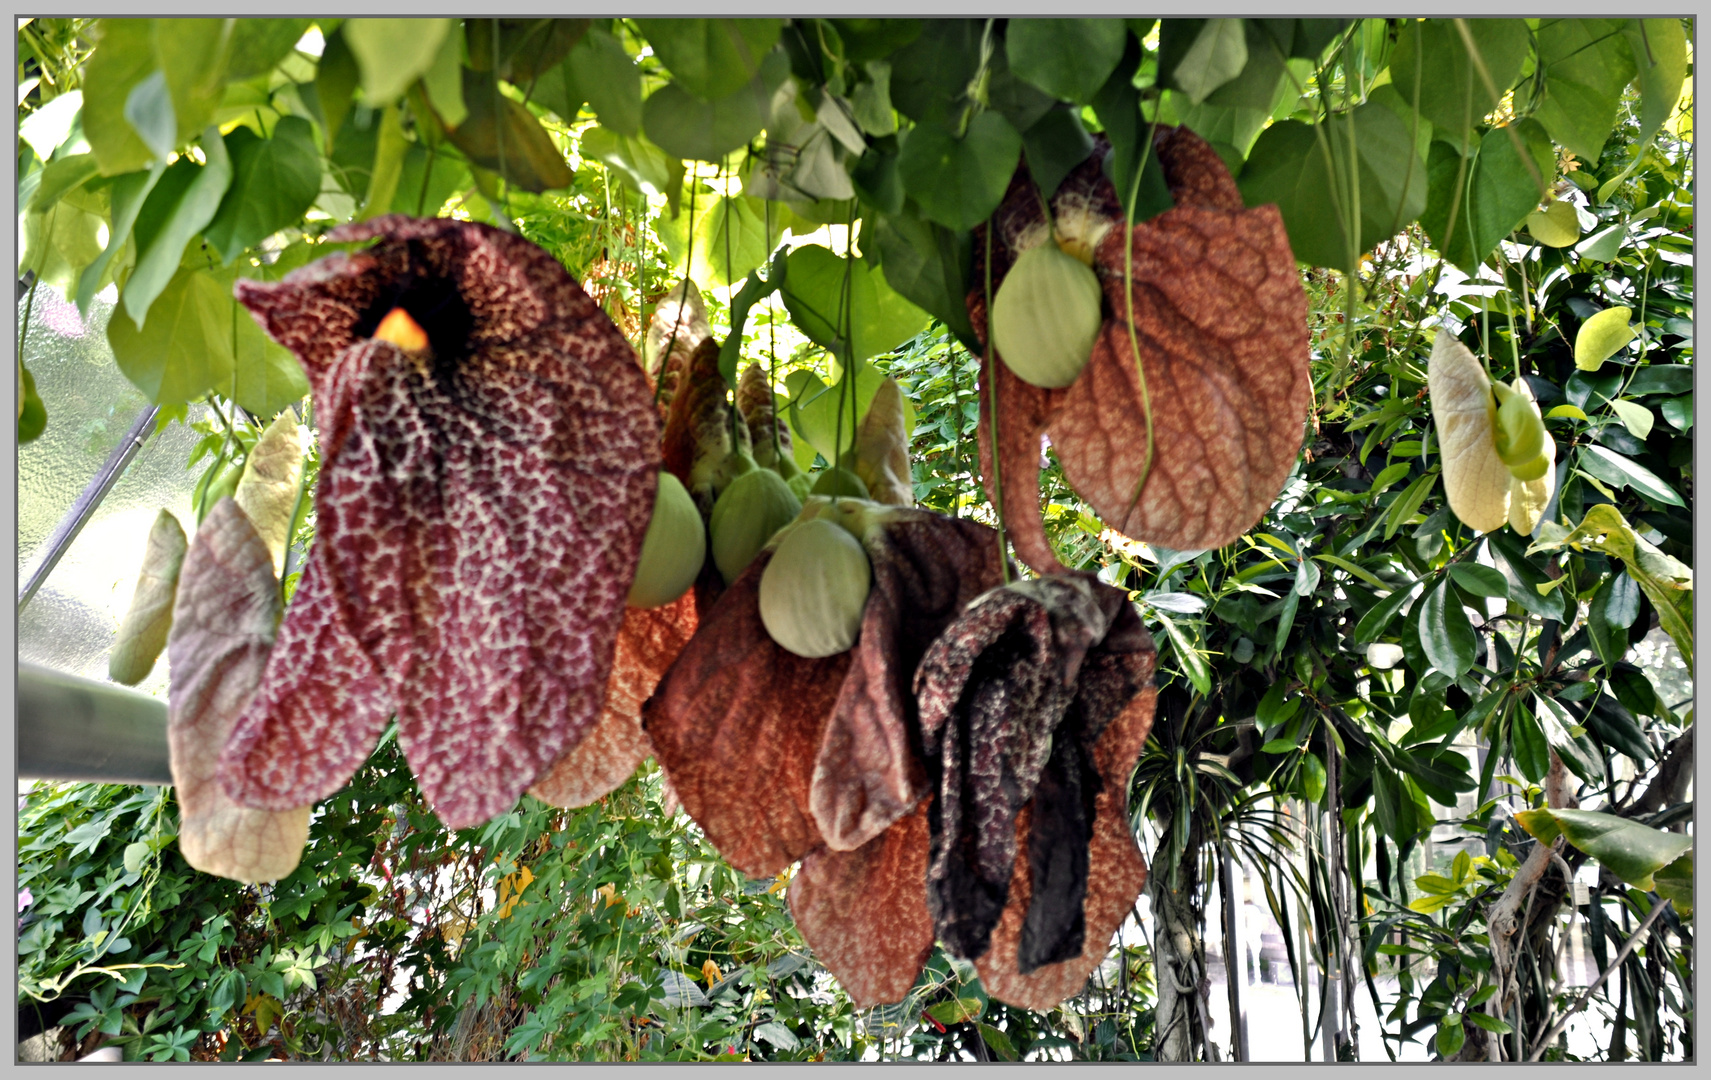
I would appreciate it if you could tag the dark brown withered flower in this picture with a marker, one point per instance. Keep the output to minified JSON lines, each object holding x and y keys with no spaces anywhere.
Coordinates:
{"x":1014,"y":699}
{"x":1220,"y":321}
{"x":481,"y":507}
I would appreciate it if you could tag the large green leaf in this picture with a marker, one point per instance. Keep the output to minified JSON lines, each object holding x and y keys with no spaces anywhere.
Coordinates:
{"x":1445,"y":632}
{"x":639,"y":162}
{"x":266,"y":376}
{"x":879,"y":319}
{"x":1659,"y":48}
{"x":1614,"y":606}
{"x":1068,"y":58}
{"x":185,"y":350}
{"x":274,"y":181}
{"x":957,"y":182}
{"x":1475,"y":202}
{"x":61,"y":176}
{"x":928,"y":264}
{"x":1133,"y":168}
{"x":393,"y":53}
{"x":1305,"y":170}
{"x":192,"y":55}
{"x":1587,"y":64}
{"x":930,"y":75}
{"x":1630,"y":850}
{"x":1380,"y":616}
{"x":426,"y":180}
{"x":820,"y":414}
{"x":336,"y":78}
{"x":597,"y":71}
{"x":503,"y":136}
{"x":1217,"y":55}
{"x":62,"y":240}
{"x":711,"y":58}
{"x":688,"y":127}
{"x":259,"y":44}
{"x":127,"y":195}
{"x":181,"y":204}
{"x":1432,"y":69}
{"x":123,"y":57}
{"x":1528,"y":746}
{"x":1055,"y":144}
{"x":874,"y":39}
{"x":1675,"y":881}
{"x":730,"y":240}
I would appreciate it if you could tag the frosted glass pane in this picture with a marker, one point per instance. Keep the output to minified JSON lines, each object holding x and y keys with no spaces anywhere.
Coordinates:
{"x":72,"y":622}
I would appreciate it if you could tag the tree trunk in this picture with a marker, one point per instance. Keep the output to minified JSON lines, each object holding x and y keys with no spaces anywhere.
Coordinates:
{"x":1179,"y":958}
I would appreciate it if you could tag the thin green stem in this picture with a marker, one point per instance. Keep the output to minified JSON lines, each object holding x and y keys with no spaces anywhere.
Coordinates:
{"x":683,"y":302}
{"x":992,"y":400}
{"x":1129,"y":316}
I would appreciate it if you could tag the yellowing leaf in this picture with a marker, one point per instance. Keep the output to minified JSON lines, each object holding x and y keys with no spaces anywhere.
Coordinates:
{"x":267,"y":494}
{"x":709,"y":971}
{"x":1601,"y":336}
{"x":1528,"y":498}
{"x":610,"y":892}
{"x":1557,"y":225}
{"x":143,"y":633}
{"x":1635,"y":417}
{"x":1475,"y":478}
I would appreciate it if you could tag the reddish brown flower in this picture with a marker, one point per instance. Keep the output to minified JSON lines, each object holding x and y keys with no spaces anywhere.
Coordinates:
{"x":481,"y":508}
{"x":1220,"y":320}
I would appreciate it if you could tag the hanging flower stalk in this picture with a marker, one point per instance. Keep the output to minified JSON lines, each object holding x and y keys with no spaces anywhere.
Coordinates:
{"x":484,"y":491}
{"x":1220,"y":320}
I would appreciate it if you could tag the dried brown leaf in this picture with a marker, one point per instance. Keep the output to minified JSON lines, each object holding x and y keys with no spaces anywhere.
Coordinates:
{"x":267,"y":494}
{"x":143,"y":633}
{"x":227,"y":615}
{"x":864,"y":912}
{"x":648,"y":642}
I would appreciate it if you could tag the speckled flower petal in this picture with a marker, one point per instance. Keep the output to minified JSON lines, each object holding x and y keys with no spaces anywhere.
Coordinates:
{"x":1220,"y":323}
{"x":1116,"y":875}
{"x":648,"y":642}
{"x":993,"y":690}
{"x":926,"y":568}
{"x":227,"y":614}
{"x":481,"y":509}
{"x":864,"y":912}
{"x":736,"y":726}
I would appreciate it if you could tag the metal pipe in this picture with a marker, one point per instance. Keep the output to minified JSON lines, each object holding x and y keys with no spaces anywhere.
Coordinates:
{"x":84,"y":508}
{"x":75,"y":729}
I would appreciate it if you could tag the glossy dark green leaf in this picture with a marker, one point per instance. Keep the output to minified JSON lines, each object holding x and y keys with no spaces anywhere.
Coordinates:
{"x":1287,"y":166}
{"x":1661,"y":379}
{"x":181,"y":204}
{"x":1527,"y":745}
{"x":1473,"y":203}
{"x":1431,"y":67}
{"x":1193,"y":665}
{"x":1587,"y":63}
{"x":1480,"y":580}
{"x":1613,"y":608}
{"x":688,"y":127}
{"x":1068,"y":58}
{"x":1512,"y":550}
{"x":1312,"y":777}
{"x":958,"y":182}
{"x":1380,"y":616}
{"x":503,"y":136}
{"x":1611,"y":724}
{"x":711,"y":59}
{"x":1613,"y":468}
{"x":274,"y":181}
{"x":184,"y":349}
{"x":928,"y":265}
{"x":1055,"y":145}
{"x":930,"y":75}
{"x":1445,"y":632}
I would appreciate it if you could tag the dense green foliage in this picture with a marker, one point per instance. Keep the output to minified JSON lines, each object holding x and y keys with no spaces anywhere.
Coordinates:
{"x":1359,"y":674}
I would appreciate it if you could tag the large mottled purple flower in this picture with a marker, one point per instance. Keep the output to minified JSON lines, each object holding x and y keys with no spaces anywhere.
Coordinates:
{"x":482,"y":502}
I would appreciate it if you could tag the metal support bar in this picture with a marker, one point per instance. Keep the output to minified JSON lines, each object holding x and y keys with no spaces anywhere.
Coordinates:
{"x":82,"y":730}
{"x":84,"y":508}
